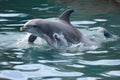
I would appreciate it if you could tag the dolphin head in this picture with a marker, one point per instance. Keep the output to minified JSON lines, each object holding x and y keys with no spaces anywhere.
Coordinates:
{"x":31,"y":27}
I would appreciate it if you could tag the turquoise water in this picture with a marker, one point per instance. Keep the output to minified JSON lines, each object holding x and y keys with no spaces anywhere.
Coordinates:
{"x":20,"y":60}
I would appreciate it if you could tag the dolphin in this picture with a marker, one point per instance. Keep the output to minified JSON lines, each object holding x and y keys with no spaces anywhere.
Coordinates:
{"x":106,"y":33}
{"x":55,"y":31}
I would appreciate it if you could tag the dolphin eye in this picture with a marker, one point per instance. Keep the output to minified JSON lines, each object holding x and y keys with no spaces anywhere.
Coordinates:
{"x":34,"y":26}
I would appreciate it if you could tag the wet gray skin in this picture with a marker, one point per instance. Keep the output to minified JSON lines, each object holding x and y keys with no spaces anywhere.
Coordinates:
{"x":50,"y":29}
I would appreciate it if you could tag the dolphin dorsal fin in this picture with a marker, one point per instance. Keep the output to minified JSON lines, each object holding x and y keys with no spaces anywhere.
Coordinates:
{"x":65,"y":15}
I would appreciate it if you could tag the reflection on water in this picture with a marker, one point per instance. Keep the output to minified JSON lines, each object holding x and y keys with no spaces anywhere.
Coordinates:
{"x":20,"y":60}
{"x":12,"y":15}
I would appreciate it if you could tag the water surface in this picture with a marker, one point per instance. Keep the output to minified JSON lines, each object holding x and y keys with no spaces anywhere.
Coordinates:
{"x":20,"y":60}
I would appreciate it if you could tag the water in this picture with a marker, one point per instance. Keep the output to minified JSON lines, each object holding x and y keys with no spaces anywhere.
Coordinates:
{"x":20,"y":60}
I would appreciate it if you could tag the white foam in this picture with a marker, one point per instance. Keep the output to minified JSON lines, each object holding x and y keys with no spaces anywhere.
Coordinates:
{"x":20,"y":40}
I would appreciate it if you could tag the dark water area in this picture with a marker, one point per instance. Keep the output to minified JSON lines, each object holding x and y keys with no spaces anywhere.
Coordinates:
{"x":20,"y":60}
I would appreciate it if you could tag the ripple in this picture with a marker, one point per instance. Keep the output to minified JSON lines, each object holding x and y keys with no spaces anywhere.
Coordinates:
{"x":18,"y":50}
{"x":12,"y":74}
{"x":51,"y":79}
{"x":14,"y":24}
{"x":19,"y":53}
{"x":16,"y":62}
{"x":7,"y":28}
{"x":113,"y":73}
{"x":1,"y":20}
{"x":48,"y":61}
{"x":42,"y":9}
{"x":71,"y":54}
{"x":10,"y":10}
{"x":13,"y":15}
{"x":27,"y":67}
{"x":4,"y":63}
{"x":96,"y":28}
{"x":116,"y":26}
{"x":88,"y":78}
{"x":97,"y":52}
{"x":100,"y":20}
{"x":44,"y":4}
{"x":82,"y":22}
{"x":101,"y":62}
{"x":23,"y":73}
{"x":76,"y":66}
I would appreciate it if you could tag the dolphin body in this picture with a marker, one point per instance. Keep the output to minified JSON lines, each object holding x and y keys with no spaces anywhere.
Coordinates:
{"x":59,"y":30}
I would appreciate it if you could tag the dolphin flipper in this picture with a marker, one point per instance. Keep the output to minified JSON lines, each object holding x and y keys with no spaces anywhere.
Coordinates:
{"x":32,"y":38}
{"x":65,"y":15}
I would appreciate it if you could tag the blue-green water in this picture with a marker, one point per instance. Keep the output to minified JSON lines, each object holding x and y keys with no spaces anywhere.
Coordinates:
{"x":20,"y":60}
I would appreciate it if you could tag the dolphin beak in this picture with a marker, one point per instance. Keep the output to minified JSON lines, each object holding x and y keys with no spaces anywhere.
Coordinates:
{"x":22,"y":29}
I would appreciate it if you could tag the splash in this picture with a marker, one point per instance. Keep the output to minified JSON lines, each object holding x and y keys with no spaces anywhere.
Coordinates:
{"x":101,"y":35}
{"x":60,"y":43}
{"x":95,"y":35}
{"x":59,"y":40}
{"x":20,"y":41}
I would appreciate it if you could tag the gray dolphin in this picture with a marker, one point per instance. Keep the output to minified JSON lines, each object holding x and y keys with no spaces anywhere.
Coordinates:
{"x":59,"y":30}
